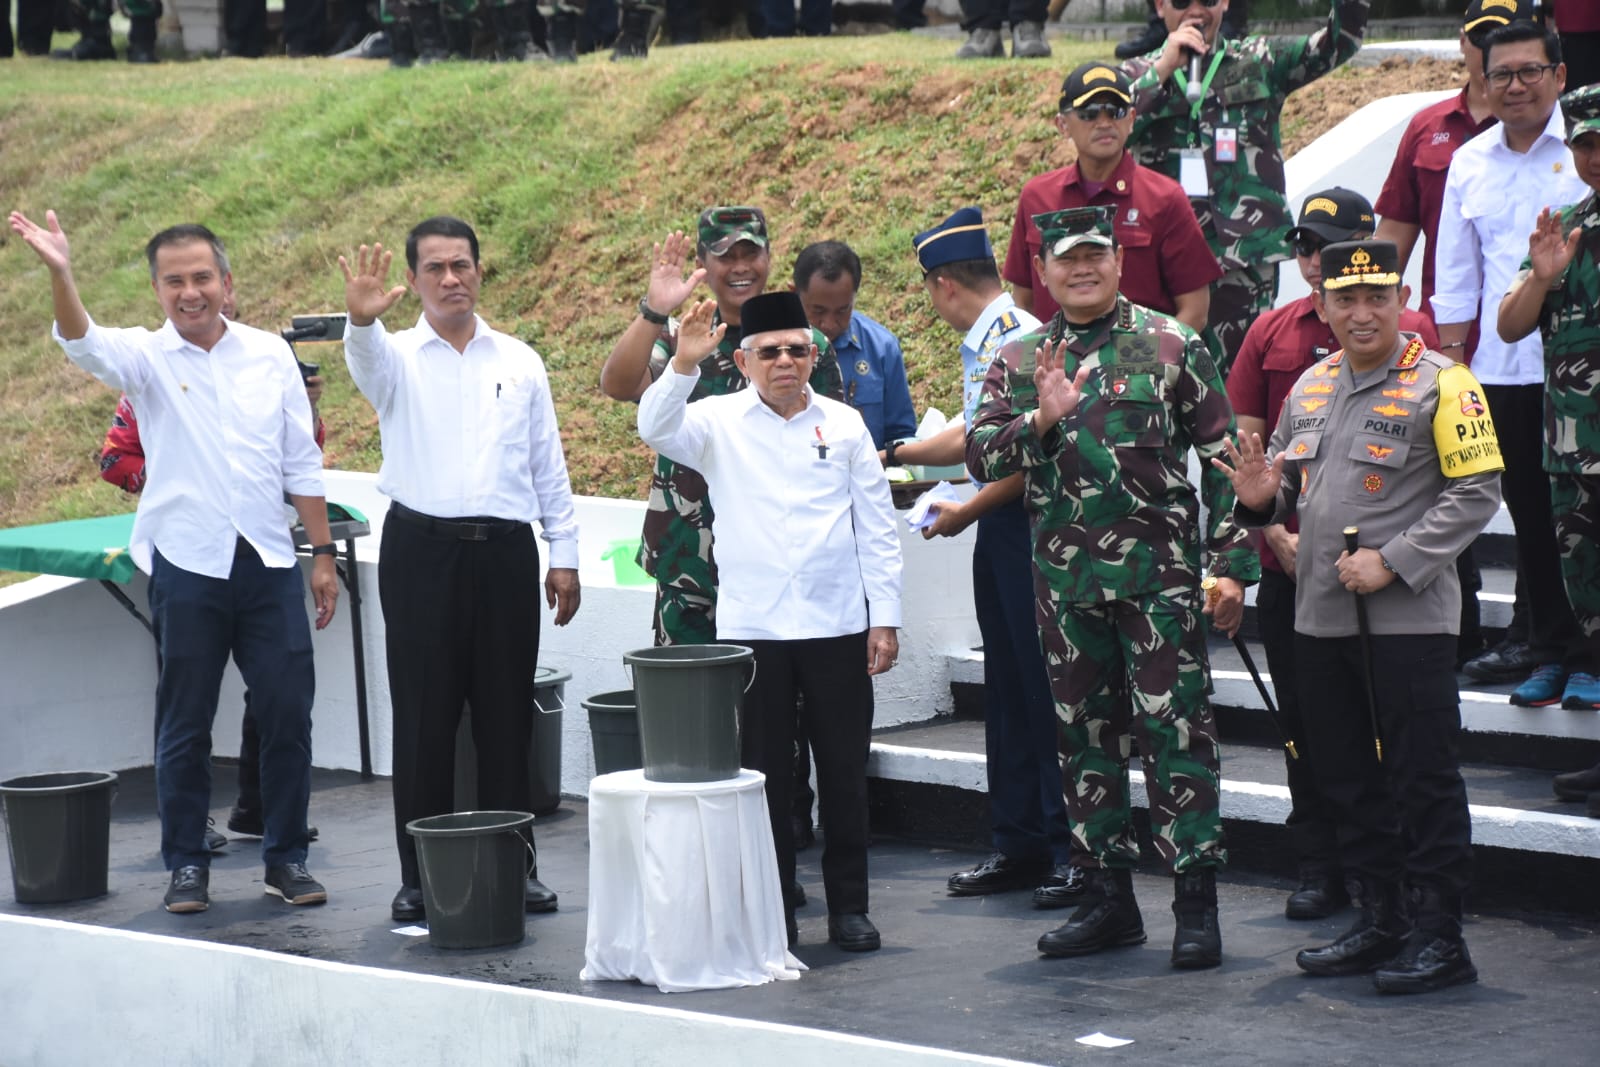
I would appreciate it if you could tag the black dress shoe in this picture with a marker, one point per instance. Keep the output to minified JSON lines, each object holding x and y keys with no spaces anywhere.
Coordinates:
{"x":1578,"y":785}
{"x":853,"y":933}
{"x":1505,"y":662}
{"x":1061,"y":889}
{"x":1319,"y":896}
{"x":407,"y":905}
{"x":998,"y":874}
{"x":537,"y":898}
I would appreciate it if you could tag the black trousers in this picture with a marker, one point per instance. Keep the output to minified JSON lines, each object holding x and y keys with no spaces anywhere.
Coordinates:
{"x":1405,"y":818}
{"x":993,"y":14}
{"x":1518,"y":412}
{"x":463,"y":628}
{"x":831,"y":674}
{"x":1311,"y":822}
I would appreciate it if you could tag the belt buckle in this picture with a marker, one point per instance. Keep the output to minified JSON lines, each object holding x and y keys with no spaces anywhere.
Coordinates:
{"x":474,"y":531}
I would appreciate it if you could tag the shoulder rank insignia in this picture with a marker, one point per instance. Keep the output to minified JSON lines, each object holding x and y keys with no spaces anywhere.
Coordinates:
{"x":1007,"y":322}
{"x":1411,"y":355}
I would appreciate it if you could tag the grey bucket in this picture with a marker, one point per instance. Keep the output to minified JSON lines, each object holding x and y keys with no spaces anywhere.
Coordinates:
{"x":689,"y":698}
{"x":614,"y":731}
{"x":58,"y":828}
{"x":544,"y":747}
{"x":475,"y":868}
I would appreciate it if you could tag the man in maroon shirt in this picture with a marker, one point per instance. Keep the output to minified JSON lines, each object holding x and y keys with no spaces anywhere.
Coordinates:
{"x":1167,"y":264}
{"x":1279,"y":347}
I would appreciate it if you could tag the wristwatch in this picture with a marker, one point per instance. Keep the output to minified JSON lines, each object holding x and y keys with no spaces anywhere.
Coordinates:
{"x":888,"y":454}
{"x":650,"y":314}
{"x":329,"y":549}
{"x":1387,"y":565}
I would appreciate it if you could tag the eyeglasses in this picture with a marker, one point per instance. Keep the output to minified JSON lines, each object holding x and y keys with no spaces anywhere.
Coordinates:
{"x":1096,"y":112}
{"x":1530,"y":75}
{"x":1183,"y":5}
{"x":1308,"y":246}
{"x":767,"y":353}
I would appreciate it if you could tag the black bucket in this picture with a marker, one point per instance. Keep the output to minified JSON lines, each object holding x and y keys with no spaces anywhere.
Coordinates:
{"x":544,"y":747}
{"x":689,"y":698}
{"x":614,"y":731}
{"x":58,"y":827}
{"x":475,"y":868}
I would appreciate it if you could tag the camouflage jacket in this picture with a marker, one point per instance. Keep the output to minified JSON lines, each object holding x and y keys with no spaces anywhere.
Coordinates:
{"x":1570,"y":326}
{"x":677,"y":520}
{"x":1246,"y":216}
{"x":1112,"y":509}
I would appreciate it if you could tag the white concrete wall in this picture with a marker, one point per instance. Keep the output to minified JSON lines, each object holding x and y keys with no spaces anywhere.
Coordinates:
{"x":77,"y":673}
{"x":73,"y":994}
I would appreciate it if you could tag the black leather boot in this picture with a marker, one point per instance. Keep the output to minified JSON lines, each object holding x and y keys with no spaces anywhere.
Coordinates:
{"x":1375,"y":939}
{"x":1321,"y":893}
{"x":1196,"y":939}
{"x":1434,"y":956}
{"x":515,"y":35}
{"x":1107,"y":918}
{"x":1577,"y":785}
{"x":142,"y":39}
{"x":402,"y":44}
{"x":1153,"y":37}
{"x":94,"y":44}
{"x":636,"y":26}
{"x":427,"y":34}
{"x":561,"y":34}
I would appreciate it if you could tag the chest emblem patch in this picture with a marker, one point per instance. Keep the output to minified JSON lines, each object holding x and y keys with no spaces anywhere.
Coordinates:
{"x":1400,"y":394}
{"x":1319,"y":387}
{"x":1392,"y":410}
{"x":1313,"y":405}
{"x":1380,"y":451}
{"x":1372,"y":483}
{"x":1471,"y":403}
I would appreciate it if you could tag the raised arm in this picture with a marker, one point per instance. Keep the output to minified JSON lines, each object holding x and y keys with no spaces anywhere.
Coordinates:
{"x":626,"y":373}
{"x":49,"y":242}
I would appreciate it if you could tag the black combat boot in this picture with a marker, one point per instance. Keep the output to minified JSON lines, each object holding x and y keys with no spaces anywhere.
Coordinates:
{"x":1196,"y":939}
{"x":94,"y":44}
{"x":1153,"y":37}
{"x":1107,"y":918}
{"x":636,"y":27}
{"x":1321,"y":893}
{"x":427,"y":33}
{"x":1434,"y":956}
{"x":516,"y":44}
{"x":561,"y":34}
{"x":1375,"y":939}
{"x":142,"y":39}
{"x":458,"y":38}
{"x":402,"y":43}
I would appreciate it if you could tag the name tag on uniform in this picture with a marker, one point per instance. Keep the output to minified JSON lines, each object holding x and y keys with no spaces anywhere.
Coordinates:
{"x":1192,"y":174}
{"x":1227,"y":144}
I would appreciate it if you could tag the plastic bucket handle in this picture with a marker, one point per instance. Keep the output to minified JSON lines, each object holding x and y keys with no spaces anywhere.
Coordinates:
{"x":635,"y":684}
{"x":561,"y":705}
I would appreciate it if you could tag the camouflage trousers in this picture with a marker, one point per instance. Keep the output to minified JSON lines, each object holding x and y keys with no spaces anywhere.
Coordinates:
{"x":684,"y":615}
{"x":1136,"y":669}
{"x":1238,"y":298}
{"x":1575,"y":503}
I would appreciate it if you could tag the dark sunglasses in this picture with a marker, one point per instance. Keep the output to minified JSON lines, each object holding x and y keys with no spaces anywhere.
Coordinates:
{"x":1096,"y":112}
{"x":767,"y":353}
{"x":1308,"y":246}
{"x":1183,"y":5}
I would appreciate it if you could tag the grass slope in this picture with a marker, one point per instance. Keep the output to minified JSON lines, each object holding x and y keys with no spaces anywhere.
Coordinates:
{"x":568,"y":174}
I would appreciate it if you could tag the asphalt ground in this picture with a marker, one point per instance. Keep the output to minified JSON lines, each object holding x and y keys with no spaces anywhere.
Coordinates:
{"x":954,"y":973}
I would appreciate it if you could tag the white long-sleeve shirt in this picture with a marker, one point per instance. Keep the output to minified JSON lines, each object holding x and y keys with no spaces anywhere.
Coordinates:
{"x":225,"y":433}
{"x":806,"y":541}
{"x":1492,"y":198}
{"x":467,"y":433}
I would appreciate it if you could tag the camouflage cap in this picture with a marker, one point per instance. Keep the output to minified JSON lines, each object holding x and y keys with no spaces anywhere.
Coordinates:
{"x":1095,"y":79}
{"x":1061,"y":231}
{"x":1582,"y":110}
{"x":1360,"y":263}
{"x":723,"y":227}
{"x":1486,"y":15}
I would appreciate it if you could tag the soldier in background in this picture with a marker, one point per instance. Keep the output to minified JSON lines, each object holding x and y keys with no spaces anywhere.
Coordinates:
{"x":1098,"y":412}
{"x":1557,"y":294}
{"x":1224,"y":148}
{"x":94,"y":20}
{"x":734,"y":257}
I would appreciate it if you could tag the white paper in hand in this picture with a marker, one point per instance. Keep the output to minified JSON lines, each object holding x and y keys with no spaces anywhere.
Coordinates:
{"x":923,"y":513}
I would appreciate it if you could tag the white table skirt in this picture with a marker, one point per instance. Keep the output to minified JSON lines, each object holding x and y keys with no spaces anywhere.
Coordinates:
{"x":683,"y":884}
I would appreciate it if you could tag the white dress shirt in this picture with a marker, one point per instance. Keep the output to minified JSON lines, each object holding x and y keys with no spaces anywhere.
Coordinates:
{"x":806,"y":541}
{"x":466,"y":433}
{"x":225,"y":434}
{"x":1492,"y":198}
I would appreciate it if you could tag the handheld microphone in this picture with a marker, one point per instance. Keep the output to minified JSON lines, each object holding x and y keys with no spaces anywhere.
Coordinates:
{"x":1194,"y":90}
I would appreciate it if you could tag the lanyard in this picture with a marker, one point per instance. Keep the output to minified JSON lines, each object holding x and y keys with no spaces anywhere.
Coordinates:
{"x":1182,"y":79}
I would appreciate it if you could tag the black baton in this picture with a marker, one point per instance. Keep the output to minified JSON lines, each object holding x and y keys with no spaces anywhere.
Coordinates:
{"x":1351,"y":543}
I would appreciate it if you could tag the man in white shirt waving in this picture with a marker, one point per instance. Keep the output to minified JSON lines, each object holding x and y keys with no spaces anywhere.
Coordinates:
{"x":227,"y":433}
{"x":471,"y":458}
{"x":809,"y":572}
{"x":1498,"y":183}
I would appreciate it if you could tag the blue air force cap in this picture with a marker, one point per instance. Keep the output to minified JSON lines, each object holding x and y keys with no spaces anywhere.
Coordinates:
{"x":962,"y":236}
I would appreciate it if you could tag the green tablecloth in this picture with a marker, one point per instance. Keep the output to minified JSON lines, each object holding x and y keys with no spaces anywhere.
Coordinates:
{"x":98,"y":548}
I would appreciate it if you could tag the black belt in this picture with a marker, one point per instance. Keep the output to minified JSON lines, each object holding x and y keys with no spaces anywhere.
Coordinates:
{"x":471,"y":528}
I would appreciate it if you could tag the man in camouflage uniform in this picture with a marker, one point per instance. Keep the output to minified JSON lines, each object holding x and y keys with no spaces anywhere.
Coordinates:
{"x":1099,"y":412}
{"x":94,"y":21}
{"x":1558,"y":292}
{"x":636,"y":25}
{"x":443,"y":29}
{"x":1391,"y":447}
{"x":1224,"y":149}
{"x":733,"y":256}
